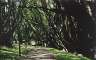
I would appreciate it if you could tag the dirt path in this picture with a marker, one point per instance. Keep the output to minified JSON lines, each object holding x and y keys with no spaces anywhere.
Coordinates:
{"x":38,"y":54}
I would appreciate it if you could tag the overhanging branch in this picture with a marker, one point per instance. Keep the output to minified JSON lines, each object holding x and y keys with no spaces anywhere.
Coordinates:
{"x":44,"y":9}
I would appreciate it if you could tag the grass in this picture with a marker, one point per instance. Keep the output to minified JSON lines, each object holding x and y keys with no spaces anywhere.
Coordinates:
{"x":12,"y":53}
{"x":60,"y":55}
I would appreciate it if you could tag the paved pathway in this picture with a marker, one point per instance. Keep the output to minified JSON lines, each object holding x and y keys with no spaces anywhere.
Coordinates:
{"x":39,"y":54}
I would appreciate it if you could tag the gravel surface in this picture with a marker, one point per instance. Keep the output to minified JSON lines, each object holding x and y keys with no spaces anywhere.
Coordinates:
{"x":38,"y":54}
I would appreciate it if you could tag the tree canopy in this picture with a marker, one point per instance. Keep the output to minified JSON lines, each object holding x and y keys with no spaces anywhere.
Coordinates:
{"x":61,"y":24}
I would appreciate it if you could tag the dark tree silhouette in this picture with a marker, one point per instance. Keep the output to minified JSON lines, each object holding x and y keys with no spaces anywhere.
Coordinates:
{"x":78,"y":26}
{"x":8,"y":22}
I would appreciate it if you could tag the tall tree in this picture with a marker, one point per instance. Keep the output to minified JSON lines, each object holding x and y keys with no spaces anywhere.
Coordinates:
{"x":8,"y":21}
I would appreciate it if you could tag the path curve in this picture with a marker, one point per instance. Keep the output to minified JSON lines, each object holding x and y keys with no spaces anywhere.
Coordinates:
{"x":38,"y":54}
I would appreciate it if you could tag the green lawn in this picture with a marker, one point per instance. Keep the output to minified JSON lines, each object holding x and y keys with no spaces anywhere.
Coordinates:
{"x":13,"y":54}
{"x":60,"y":55}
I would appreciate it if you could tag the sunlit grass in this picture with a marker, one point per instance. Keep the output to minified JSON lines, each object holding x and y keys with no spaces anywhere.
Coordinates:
{"x":12,"y":53}
{"x":60,"y":55}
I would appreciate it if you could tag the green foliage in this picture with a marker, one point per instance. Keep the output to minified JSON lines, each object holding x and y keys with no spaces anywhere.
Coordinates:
{"x":12,"y":53}
{"x":60,"y":55}
{"x":47,"y":22}
{"x":8,"y":53}
{"x":33,"y":25}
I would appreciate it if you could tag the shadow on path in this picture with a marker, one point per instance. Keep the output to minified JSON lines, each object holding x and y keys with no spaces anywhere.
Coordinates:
{"x":38,"y":54}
